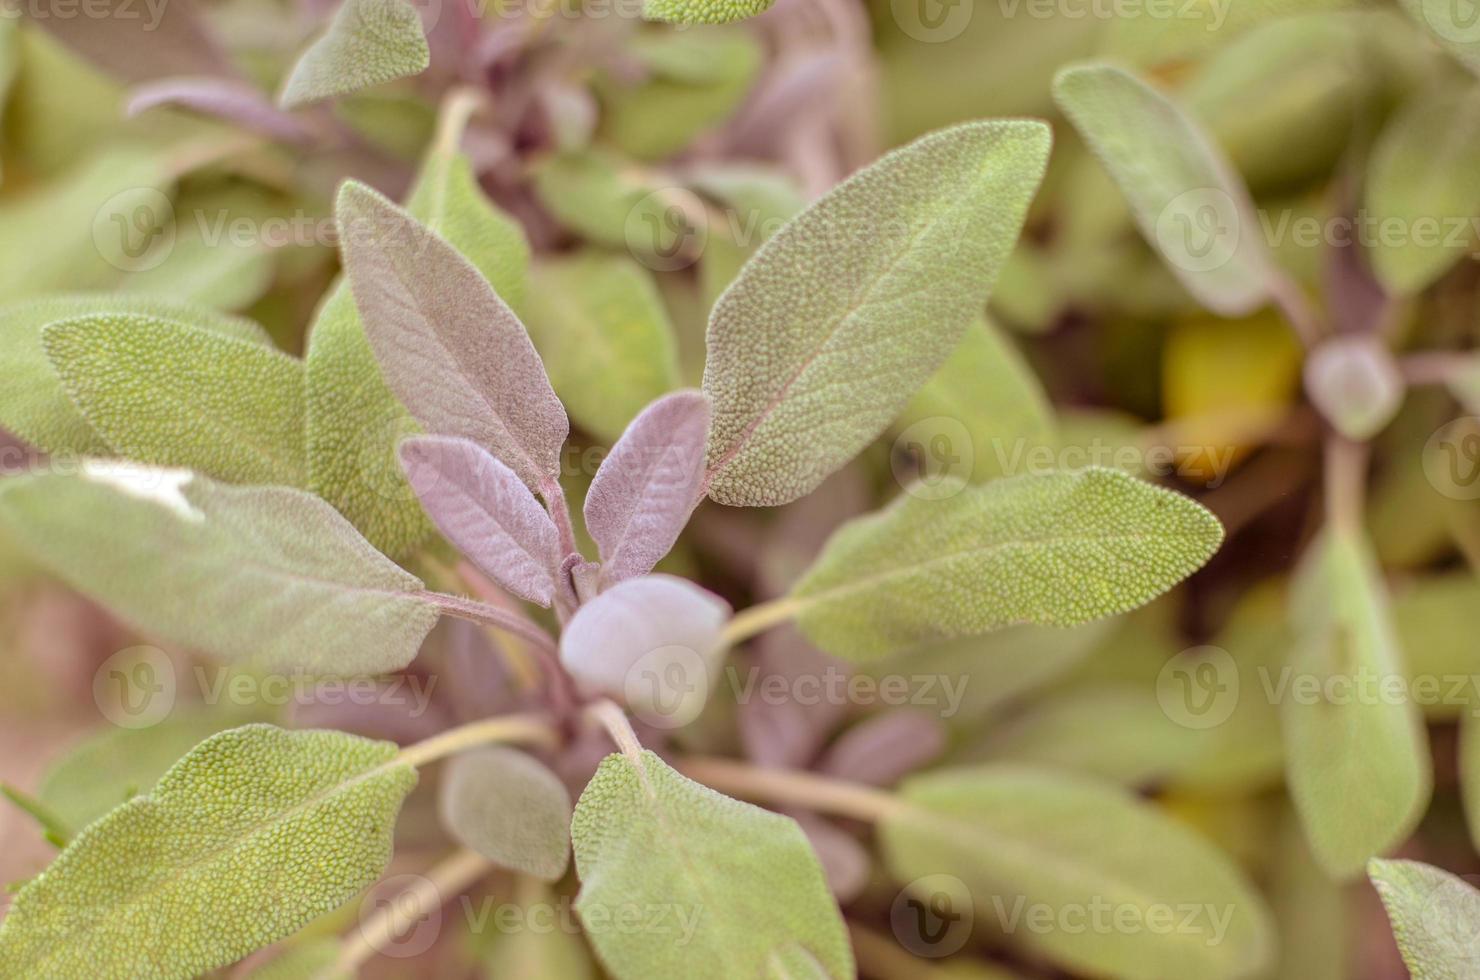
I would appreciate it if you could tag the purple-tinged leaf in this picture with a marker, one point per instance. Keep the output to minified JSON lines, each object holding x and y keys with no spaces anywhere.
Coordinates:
{"x":486,"y":512}
{"x":449,"y":347}
{"x":786,"y":713}
{"x":646,"y":489}
{"x":225,"y":98}
{"x":653,"y":642}
{"x":845,"y":862}
{"x":884,"y":749}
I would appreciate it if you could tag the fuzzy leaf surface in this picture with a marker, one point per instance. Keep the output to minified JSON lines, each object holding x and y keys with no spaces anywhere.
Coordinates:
{"x":251,"y":836}
{"x":449,"y":347}
{"x":1057,"y":549}
{"x":168,"y":394}
{"x":646,"y":837}
{"x":841,"y":315}
{"x":510,"y":808}
{"x":1435,"y":917}
{"x":648,"y":486}
{"x":368,"y":42}
{"x":35,"y":406}
{"x":266,"y":573}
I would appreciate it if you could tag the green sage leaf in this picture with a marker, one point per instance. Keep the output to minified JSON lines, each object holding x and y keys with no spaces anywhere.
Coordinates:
{"x":35,"y":406}
{"x":702,"y":11}
{"x":1023,"y":840}
{"x":1357,"y":759}
{"x":743,"y":891}
{"x":510,"y":808}
{"x":1058,"y":549}
{"x":603,"y":332}
{"x":173,"y":395}
{"x":826,"y":333}
{"x":850,"y":307}
{"x":1189,"y":202}
{"x":249,"y":837}
{"x":1424,"y":179}
{"x":368,"y":42}
{"x":1435,"y":917}
{"x":267,"y":573}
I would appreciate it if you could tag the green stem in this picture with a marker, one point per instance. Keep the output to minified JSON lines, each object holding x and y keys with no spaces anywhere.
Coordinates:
{"x":789,"y":788}
{"x":758,"y":619}
{"x":506,"y":729}
{"x":481,"y":612}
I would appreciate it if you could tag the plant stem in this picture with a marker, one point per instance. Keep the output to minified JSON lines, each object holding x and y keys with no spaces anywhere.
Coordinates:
{"x":1346,"y":477}
{"x":1293,"y":304}
{"x":560,"y":513}
{"x":458,"y":107}
{"x":789,"y":788}
{"x":504,"y":619}
{"x":451,"y":876}
{"x":614,"y":720}
{"x":758,"y":619}
{"x":509,"y":729}
{"x":1434,"y":367}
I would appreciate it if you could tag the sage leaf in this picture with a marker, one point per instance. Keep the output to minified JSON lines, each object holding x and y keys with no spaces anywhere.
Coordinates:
{"x":116,"y":764}
{"x":1357,"y":767}
{"x":652,"y":642}
{"x":1189,"y":202}
{"x":354,"y":419}
{"x":1021,"y":838}
{"x":1450,"y":26}
{"x":452,"y":351}
{"x":601,"y":328}
{"x":1435,"y":917}
{"x":510,"y":808}
{"x":702,"y":11}
{"x":742,"y":881}
{"x":173,"y":395}
{"x":368,"y":42}
{"x":486,"y":512}
{"x":841,"y":315}
{"x":249,"y":837}
{"x":35,"y":406}
{"x":1057,"y":549}
{"x":645,"y":490}
{"x":982,"y":413}
{"x":313,"y":959}
{"x":1422,"y":173}
{"x":267,"y":573}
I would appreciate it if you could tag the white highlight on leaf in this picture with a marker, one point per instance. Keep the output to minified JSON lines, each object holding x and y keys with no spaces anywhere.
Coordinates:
{"x":155,"y":483}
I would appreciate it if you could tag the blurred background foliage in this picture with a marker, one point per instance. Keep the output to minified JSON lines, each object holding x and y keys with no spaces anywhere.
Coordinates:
{"x":580,"y":121}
